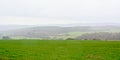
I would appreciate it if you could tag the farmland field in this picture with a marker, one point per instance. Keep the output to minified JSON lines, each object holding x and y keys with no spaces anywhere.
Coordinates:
{"x":59,"y":50}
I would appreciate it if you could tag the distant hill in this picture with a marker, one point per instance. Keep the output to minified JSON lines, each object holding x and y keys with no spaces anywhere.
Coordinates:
{"x":13,"y":27}
{"x":44,"y":32}
{"x":86,"y":24}
{"x":53,"y":32}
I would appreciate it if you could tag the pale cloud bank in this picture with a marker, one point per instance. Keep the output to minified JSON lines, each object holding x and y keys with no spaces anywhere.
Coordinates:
{"x":33,"y":21}
{"x":42,"y":12}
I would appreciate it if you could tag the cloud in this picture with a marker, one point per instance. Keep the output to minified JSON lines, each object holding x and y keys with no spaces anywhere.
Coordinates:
{"x":26,"y":8}
{"x":84,"y":8}
{"x":30,"y":12}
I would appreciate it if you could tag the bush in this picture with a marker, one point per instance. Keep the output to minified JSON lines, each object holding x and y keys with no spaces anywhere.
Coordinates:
{"x":6,"y":37}
{"x":70,"y":39}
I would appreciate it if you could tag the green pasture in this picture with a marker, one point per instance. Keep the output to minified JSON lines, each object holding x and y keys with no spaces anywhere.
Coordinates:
{"x":59,"y":50}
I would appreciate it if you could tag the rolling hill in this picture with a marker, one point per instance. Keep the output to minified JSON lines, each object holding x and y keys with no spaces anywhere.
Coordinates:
{"x":55,"y":32}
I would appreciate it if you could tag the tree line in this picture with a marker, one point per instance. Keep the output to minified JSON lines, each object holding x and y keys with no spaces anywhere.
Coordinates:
{"x":99,"y":36}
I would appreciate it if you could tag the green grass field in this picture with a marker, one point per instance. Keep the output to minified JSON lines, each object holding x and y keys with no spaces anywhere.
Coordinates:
{"x":59,"y":50}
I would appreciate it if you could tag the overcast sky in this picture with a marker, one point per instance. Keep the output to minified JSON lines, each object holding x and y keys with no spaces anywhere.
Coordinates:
{"x":40,"y":12}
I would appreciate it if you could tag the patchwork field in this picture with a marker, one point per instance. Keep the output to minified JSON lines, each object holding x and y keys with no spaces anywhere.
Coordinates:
{"x":59,"y":50}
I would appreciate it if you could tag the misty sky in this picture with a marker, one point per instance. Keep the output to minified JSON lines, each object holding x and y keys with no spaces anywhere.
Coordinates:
{"x":40,"y":12}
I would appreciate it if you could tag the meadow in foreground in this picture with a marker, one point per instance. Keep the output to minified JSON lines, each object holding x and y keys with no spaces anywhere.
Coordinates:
{"x":59,"y":50}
